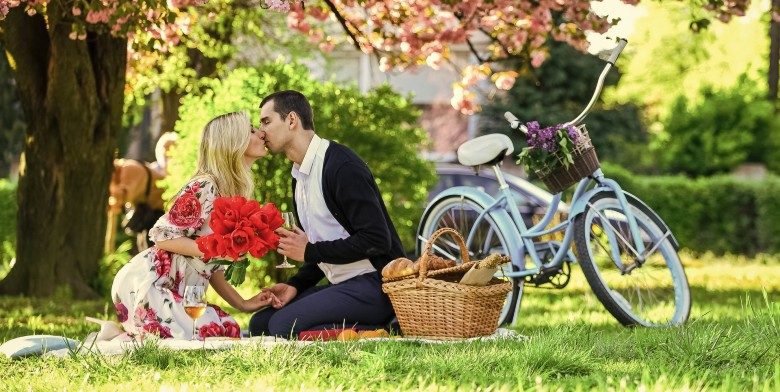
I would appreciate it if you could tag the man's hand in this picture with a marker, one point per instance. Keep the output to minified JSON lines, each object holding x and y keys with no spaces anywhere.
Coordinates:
{"x":283,"y":292}
{"x":292,"y":243}
{"x":263,"y":298}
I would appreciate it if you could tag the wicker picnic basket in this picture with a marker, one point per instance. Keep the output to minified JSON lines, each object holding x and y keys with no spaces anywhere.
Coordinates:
{"x":432,"y":308}
{"x":557,"y":177}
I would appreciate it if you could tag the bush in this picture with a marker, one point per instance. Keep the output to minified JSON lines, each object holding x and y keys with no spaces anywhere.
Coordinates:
{"x":725,"y":129}
{"x":380,"y":126}
{"x":721,"y":214}
{"x":8,"y":210}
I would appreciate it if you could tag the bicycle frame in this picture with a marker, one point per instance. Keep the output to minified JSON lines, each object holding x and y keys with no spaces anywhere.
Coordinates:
{"x":578,"y":205}
{"x":504,"y":212}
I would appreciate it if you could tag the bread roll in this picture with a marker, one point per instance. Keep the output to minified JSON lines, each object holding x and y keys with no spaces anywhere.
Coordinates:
{"x":436,"y":263}
{"x":399,"y":267}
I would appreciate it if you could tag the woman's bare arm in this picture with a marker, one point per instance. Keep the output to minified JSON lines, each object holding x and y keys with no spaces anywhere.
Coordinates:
{"x":181,"y":245}
{"x":229,"y":294}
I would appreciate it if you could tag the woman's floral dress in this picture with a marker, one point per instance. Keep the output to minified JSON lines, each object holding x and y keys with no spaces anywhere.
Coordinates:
{"x":148,"y":291}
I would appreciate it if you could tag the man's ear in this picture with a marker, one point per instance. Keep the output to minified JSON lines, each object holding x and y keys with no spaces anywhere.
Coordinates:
{"x":292,"y":120}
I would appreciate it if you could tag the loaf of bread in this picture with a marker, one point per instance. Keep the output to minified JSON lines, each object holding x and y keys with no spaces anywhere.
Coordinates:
{"x":399,"y":267}
{"x":492,"y":261}
{"x":437,"y":262}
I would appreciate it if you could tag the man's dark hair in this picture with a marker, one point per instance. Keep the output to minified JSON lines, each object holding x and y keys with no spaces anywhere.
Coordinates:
{"x":288,"y":101}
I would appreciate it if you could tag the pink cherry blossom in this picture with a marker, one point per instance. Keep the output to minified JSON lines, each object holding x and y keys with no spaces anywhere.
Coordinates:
{"x":402,"y":33}
{"x":278,"y":5}
{"x":505,"y":80}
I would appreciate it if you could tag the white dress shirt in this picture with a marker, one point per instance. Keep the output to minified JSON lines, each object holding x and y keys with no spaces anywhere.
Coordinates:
{"x":315,"y":217}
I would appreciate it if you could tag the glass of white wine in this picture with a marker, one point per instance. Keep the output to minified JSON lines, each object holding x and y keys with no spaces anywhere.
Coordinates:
{"x":194,"y":304}
{"x":289,"y":223}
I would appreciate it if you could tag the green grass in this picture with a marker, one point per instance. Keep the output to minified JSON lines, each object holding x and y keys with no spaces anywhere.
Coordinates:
{"x":731,"y":343}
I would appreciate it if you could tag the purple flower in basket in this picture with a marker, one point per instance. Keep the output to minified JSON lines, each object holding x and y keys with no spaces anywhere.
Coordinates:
{"x":541,"y":138}
{"x":573,"y":133}
{"x":549,"y":147}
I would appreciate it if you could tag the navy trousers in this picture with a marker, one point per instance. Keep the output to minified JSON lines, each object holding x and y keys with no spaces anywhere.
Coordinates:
{"x":358,"y":302}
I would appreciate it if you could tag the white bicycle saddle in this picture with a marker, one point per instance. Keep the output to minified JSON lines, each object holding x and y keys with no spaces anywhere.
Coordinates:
{"x":485,"y":149}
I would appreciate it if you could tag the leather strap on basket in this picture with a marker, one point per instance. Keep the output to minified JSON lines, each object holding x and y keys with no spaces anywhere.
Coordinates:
{"x":423,"y":262}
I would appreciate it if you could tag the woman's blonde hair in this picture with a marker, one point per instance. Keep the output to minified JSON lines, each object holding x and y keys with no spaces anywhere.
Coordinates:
{"x":221,"y":154}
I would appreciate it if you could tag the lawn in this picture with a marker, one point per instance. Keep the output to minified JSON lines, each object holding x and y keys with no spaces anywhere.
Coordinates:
{"x":731,"y":343}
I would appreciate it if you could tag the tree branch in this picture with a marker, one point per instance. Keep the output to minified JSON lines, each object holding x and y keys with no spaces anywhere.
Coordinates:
{"x":474,"y":51}
{"x":498,"y":41}
{"x":344,"y":23}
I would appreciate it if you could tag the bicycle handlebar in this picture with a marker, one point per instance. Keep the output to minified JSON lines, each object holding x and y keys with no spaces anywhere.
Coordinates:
{"x":622,"y":42}
{"x":514,"y":123}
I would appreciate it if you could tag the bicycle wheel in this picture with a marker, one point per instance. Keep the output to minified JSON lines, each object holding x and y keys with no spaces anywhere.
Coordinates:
{"x":654,"y":292}
{"x":460,"y":213}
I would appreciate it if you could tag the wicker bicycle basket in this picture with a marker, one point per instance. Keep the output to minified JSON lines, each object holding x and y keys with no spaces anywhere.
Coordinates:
{"x":437,"y":309}
{"x":557,"y":176}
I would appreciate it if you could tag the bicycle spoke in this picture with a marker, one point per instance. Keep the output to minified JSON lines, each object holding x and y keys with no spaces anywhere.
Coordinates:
{"x":647,"y":289}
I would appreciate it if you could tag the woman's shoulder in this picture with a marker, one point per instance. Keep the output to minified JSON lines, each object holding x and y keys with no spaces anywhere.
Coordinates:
{"x":200,"y":184}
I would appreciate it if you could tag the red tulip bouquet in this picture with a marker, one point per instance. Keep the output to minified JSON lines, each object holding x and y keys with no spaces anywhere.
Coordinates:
{"x":241,"y":227}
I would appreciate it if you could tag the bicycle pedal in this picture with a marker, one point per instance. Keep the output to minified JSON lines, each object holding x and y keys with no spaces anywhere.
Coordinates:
{"x":545,"y":275}
{"x":557,"y":277}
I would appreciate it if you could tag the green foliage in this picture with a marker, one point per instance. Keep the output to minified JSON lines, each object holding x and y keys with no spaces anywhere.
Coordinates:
{"x":767,"y":206}
{"x":8,"y":208}
{"x":379,"y":126}
{"x":557,"y":92}
{"x":110,"y":265}
{"x":665,"y":60}
{"x":12,"y":125}
{"x":666,"y":68}
{"x":724,"y":130}
{"x":721,"y":214}
{"x":226,"y":34}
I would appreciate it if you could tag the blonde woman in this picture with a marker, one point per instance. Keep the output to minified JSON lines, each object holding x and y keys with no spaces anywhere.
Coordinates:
{"x":148,"y":291}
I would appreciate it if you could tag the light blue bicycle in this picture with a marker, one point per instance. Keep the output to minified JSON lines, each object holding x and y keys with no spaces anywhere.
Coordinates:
{"x":627,"y":253}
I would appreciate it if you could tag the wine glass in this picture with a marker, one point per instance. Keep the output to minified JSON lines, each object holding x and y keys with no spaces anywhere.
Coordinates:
{"x":289,"y":222}
{"x":194,"y":304}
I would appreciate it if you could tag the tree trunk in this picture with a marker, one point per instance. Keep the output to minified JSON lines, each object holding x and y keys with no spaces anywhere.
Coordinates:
{"x":170,"y":110}
{"x":774,"y":54}
{"x":72,"y":95}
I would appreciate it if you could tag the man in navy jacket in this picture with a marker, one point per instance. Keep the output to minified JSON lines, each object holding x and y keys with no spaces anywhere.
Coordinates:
{"x":347,"y":235}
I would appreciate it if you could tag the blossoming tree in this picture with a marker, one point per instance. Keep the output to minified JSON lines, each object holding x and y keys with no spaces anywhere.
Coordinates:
{"x":70,"y":60}
{"x":408,"y":33}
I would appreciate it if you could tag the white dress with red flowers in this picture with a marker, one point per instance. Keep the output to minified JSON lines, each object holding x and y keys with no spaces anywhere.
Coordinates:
{"x":147,"y":292}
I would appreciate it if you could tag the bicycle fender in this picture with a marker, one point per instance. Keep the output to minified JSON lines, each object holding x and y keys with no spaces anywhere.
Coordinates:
{"x":500,"y":217}
{"x":582,"y":202}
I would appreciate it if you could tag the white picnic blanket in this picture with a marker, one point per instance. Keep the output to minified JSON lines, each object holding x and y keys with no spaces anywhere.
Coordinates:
{"x":111,"y":340}
{"x":117,"y":347}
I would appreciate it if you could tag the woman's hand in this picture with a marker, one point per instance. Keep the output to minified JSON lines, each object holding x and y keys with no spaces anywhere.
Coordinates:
{"x":284,"y":292}
{"x":229,"y":294}
{"x":262,"y":299}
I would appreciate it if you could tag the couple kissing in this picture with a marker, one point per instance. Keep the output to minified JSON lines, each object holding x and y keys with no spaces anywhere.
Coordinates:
{"x":345,"y":236}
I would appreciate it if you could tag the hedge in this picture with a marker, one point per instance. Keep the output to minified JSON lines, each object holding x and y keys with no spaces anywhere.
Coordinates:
{"x":7,"y":222}
{"x":722,"y":214}
{"x":719,"y":214}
